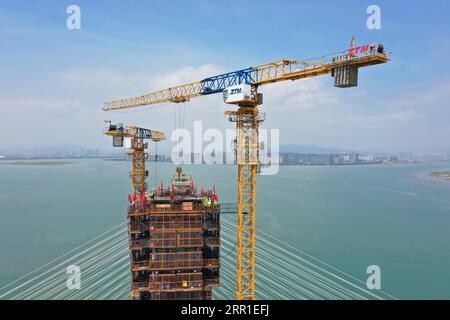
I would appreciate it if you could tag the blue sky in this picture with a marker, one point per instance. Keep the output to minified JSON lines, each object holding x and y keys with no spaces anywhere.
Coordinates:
{"x":53,"y":81}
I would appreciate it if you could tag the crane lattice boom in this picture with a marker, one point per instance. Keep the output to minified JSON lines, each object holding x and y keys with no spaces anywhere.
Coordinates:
{"x":271,"y":72}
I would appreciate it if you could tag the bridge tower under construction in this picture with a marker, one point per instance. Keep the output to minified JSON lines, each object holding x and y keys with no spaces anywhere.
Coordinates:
{"x":174,"y":241}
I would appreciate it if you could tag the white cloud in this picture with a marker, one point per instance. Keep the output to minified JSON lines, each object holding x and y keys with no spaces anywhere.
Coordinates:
{"x":307,"y":111}
{"x":185,"y":75}
{"x":299,"y":95}
{"x":116,"y":84}
{"x":380,"y":118}
{"x":94,"y":78}
{"x":432,"y":94}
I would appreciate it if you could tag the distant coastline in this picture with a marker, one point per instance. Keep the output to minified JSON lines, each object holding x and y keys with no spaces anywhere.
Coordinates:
{"x":284,"y":160}
{"x":445,"y":175}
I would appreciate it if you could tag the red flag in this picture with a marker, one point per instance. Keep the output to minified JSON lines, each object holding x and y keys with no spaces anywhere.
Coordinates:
{"x":203,"y":191}
{"x":130,"y":200}
{"x":144,"y":199}
{"x":134,"y":196}
{"x":192,"y":185}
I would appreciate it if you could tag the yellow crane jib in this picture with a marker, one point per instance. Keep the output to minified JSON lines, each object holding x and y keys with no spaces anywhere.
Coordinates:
{"x":276,"y":71}
{"x":134,"y":140}
{"x":241,"y":89}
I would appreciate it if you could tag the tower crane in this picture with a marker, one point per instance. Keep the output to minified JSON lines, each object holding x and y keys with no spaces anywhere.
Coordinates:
{"x":137,"y":145}
{"x":241,"y":89}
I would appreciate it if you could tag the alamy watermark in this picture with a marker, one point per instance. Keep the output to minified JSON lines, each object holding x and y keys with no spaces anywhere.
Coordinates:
{"x":374,"y":280}
{"x":373,"y":22}
{"x":73,"y":281}
{"x":213,"y":147}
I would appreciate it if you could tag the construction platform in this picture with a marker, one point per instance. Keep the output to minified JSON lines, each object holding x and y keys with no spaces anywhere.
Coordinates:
{"x":174,"y":242}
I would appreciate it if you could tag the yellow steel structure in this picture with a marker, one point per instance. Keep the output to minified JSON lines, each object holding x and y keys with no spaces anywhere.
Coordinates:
{"x":248,"y":118}
{"x":137,"y":144}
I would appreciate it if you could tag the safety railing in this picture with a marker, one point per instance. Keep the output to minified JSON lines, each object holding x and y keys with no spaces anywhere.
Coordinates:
{"x":191,"y":261}
{"x":213,"y":282}
{"x":166,"y":243}
{"x":211,"y":263}
{"x":169,"y":282}
{"x":154,"y":208}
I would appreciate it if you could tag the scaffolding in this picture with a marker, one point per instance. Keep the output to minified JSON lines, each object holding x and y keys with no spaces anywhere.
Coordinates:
{"x":174,"y":241}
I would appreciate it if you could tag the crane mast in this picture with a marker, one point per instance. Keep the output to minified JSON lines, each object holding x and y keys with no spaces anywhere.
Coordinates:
{"x":137,"y":144}
{"x":241,"y":88}
{"x":247,"y":119}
